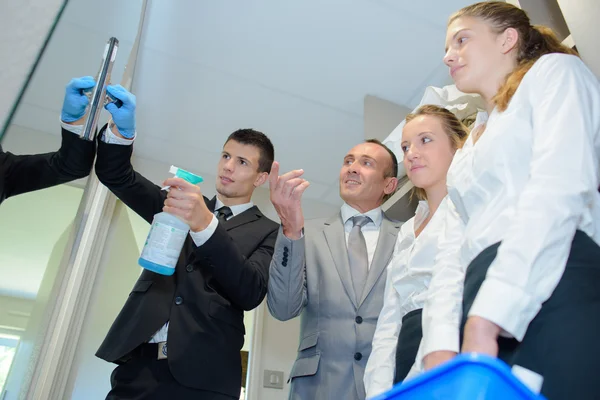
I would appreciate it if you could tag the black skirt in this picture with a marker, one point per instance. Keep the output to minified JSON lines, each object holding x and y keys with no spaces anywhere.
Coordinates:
{"x":409,"y":339}
{"x":562,"y":342}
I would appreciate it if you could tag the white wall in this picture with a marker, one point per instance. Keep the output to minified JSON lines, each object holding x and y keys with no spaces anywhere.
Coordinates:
{"x":583,"y":17}
{"x":548,"y":13}
{"x":279,"y":344}
{"x":14,"y":314}
{"x":382,"y":117}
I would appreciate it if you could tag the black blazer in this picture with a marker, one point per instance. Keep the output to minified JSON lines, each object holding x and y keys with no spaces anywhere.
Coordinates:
{"x":204,"y":300}
{"x":26,"y":173}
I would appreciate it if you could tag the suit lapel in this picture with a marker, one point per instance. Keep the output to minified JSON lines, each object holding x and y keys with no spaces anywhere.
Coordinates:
{"x":388,"y":234}
{"x":336,"y":240}
{"x":250,"y":215}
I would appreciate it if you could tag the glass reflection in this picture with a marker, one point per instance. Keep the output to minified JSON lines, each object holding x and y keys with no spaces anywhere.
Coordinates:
{"x":44,"y":177}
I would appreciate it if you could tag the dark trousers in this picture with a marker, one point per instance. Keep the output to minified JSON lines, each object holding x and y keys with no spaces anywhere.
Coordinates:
{"x":409,"y":339}
{"x":562,"y":342}
{"x":145,"y":377}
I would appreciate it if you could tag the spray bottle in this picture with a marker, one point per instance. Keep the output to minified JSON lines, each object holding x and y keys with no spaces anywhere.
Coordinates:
{"x":167,"y":235}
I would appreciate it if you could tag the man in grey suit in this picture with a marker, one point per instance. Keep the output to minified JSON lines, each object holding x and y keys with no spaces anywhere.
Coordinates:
{"x":331,"y":272}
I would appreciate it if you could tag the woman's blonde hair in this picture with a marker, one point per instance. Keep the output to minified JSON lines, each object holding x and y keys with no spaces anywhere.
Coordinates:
{"x":457,"y":132}
{"x":534,"y":41}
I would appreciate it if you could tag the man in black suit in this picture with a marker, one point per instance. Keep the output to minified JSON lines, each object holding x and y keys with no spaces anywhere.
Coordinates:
{"x":222,"y":271}
{"x":27,"y":173}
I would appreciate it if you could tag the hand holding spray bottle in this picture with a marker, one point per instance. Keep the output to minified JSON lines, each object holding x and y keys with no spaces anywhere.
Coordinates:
{"x":167,"y":235}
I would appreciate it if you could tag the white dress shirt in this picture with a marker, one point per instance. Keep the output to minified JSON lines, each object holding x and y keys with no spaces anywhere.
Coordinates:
{"x":530,"y":181}
{"x":370,"y":230}
{"x":408,"y":276}
{"x":443,"y":308}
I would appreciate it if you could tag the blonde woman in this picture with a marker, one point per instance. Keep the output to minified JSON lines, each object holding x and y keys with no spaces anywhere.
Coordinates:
{"x":430,"y":138}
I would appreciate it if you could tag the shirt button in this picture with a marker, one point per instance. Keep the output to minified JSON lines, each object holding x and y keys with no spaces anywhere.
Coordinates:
{"x":284,"y":263}
{"x":357,"y":356}
{"x":189,"y":268}
{"x":178,"y":300}
{"x":358,"y":319}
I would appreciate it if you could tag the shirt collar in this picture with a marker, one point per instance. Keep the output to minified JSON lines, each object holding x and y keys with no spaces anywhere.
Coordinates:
{"x":421,"y":214}
{"x":481,"y":118}
{"x":375,"y":214}
{"x":237,"y":209}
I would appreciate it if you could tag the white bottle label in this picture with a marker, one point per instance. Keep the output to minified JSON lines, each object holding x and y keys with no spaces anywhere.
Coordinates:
{"x":164,"y":244}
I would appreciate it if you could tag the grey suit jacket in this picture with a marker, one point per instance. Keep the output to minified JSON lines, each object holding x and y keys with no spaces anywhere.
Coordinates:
{"x":311,"y":277}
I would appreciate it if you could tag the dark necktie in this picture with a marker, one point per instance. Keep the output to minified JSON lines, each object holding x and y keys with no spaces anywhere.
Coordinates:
{"x":224,"y":213}
{"x":357,"y":254}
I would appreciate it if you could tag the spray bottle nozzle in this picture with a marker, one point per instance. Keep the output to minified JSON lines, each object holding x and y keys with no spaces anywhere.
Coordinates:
{"x":185,"y":175}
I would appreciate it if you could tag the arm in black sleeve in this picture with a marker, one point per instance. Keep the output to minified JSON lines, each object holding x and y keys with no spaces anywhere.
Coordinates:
{"x":114,"y":169}
{"x":245,"y":280}
{"x":26,"y":173}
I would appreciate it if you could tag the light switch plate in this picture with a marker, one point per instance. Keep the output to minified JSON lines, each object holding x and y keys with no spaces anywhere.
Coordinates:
{"x":273,"y":379}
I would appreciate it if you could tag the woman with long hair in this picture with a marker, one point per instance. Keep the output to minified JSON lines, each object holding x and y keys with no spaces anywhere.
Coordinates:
{"x":525,"y":202}
{"x":430,"y":138}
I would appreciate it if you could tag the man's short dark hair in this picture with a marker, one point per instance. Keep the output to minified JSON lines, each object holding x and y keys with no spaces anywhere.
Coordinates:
{"x":259,"y":140}
{"x":392,"y":171}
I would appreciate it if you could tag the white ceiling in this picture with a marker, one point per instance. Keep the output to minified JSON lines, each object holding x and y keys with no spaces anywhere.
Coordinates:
{"x":298,"y":71}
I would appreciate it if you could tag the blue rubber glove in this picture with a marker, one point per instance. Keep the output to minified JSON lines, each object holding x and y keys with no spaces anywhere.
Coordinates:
{"x":123,"y":116}
{"x":76,"y":101}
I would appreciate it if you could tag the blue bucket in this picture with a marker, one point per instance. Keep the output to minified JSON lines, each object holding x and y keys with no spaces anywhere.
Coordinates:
{"x":466,"y":377}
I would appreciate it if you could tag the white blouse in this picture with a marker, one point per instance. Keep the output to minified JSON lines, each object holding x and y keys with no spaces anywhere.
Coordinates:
{"x":530,"y":181}
{"x":408,"y":276}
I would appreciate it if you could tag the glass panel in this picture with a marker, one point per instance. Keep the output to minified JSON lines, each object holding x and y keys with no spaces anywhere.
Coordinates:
{"x":43,"y":178}
{"x":25,"y":28}
{"x":8,"y":346}
{"x":117,"y":273}
{"x":29,"y":267}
